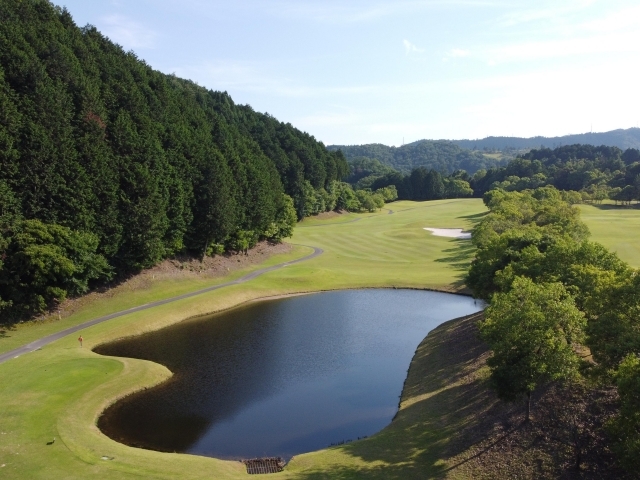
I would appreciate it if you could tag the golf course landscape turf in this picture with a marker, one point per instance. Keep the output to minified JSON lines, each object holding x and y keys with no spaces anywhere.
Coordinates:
{"x":59,"y":391}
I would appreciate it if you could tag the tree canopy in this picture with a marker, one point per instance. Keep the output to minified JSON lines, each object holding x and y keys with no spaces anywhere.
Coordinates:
{"x":129,"y":163}
{"x":533,"y":330}
{"x":551,"y":289}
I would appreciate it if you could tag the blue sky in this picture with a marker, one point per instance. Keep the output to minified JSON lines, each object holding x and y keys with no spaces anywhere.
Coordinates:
{"x":352,"y":72}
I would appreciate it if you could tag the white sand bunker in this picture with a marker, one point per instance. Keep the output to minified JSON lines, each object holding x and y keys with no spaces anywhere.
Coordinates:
{"x":449,"y":232}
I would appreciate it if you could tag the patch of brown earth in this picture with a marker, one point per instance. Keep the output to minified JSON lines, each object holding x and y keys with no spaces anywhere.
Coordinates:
{"x":566,"y":427}
{"x":328,"y":215}
{"x":179,"y":267}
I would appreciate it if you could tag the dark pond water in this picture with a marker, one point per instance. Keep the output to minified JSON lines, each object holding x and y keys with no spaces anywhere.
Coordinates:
{"x":281,"y":377}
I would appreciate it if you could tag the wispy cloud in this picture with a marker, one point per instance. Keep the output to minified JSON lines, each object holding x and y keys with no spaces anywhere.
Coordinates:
{"x":561,"y":35}
{"x":410,"y":48}
{"x":625,"y":42}
{"x":128,"y":33}
{"x":555,"y":11}
{"x":334,"y":11}
{"x":456,"y":53}
{"x":257,"y":77}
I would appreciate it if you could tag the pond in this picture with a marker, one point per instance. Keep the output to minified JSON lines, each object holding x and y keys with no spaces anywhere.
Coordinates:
{"x":279,"y":377}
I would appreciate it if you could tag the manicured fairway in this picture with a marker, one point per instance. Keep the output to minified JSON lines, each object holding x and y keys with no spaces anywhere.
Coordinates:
{"x":617,"y":228}
{"x":60,"y":390}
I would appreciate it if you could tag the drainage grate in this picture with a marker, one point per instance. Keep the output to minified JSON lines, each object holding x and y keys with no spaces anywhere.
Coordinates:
{"x":258,"y":466}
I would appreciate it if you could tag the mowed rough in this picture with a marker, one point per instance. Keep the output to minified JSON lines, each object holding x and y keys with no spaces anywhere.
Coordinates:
{"x":60,"y":390}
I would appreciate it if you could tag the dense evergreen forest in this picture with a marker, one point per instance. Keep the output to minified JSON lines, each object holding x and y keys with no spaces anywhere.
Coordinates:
{"x":621,"y":138}
{"x":552,"y":292}
{"x":107,"y":166}
{"x":442,"y":156}
{"x":597,"y":173}
{"x":592,"y":173}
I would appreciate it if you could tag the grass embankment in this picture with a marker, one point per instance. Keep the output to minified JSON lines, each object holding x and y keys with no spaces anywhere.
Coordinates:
{"x":60,"y":390}
{"x":123,"y":298}
{"x":443,"y":399}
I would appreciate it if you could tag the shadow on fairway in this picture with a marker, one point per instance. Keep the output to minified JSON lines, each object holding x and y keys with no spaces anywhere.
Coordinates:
{"x":616,"y":207}
{"x":4,"y":332}
{"x":476,"y":217}
{"x":451,"y":402}
{"x":459,"y":257}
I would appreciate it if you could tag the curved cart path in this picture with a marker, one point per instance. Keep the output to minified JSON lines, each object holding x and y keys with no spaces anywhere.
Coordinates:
{"x":35,"y":345}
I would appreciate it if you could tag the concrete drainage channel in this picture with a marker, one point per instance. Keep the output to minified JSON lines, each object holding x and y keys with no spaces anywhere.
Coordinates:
{"x":257,"y":466}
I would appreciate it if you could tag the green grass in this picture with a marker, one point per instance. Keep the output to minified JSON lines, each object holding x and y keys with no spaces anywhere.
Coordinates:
{"x":156,"y":290}
{"x":60,"y":390}
{"x":617,"y":228}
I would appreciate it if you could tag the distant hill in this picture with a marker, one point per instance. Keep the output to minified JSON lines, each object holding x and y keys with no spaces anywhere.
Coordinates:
{"x":441,"y":155}
{"x":623,"y":139}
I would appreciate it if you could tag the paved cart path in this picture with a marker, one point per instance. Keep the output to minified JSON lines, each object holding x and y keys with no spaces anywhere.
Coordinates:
{"x":35,"y":345}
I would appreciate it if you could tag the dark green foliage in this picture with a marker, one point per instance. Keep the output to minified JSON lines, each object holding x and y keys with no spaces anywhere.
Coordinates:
{"x":596,"y":172}
{"x":516,"y":234}
{"x":422,"y":184}
{"x":441,"y":155}
{"x":44,"y":263}
{"x":285,"y":220}
{"x":530,"y":244}
{"x":625,"y":427}
{"x":93,"y":139}
{"x":532,"y":330}
{"x":621,"y":138}
{"x":614,"y":327}
{"x":364,"y":171}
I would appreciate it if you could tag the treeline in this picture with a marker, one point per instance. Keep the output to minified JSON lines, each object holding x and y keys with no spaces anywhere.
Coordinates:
{"x":552,"y":292}
{"x":597,"y":173}
{"x":422,"y":184}
{"x":107,"y":166}
{"x":621,"y":138}
{"x":441,"y":155}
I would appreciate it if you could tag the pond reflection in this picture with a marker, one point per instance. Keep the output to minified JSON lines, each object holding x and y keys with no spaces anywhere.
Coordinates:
{"x":281,"y":377}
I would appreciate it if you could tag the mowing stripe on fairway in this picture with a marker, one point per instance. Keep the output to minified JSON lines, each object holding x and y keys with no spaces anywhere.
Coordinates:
{"x":30,"y":347}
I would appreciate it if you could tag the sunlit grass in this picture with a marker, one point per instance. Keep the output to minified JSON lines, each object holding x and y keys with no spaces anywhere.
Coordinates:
{"x":60,"y":390}
{"x":617,"y":228}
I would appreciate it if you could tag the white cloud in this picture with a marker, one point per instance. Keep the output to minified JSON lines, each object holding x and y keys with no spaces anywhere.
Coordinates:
{"x":364,"y":11}
{"x":411,"y":48}
{"x":128,"y":33}
{"x":624,"y":42}
{"x":257,"y":77}
{"x":456,"y":53}
{"x":555,"y":12}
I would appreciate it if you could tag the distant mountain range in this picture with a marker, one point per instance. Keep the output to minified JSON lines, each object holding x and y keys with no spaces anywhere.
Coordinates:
{"x":441,"y":155}
{"x":621,"y":138}
{"x":447,"y":156}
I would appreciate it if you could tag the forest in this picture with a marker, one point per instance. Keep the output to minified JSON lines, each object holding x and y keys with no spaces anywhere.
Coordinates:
{"x":597,"y":173}
{"x":621,"y":138}
{"x":441,"y":155}
{"x":563,"y":311}
{"x":107,"y":166}
{"x":593,"y":173}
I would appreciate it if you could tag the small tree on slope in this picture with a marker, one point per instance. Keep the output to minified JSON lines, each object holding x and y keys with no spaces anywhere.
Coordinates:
{"x":532,"y":331}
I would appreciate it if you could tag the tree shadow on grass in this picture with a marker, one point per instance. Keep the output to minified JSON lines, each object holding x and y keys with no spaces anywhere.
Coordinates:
{"x":445,"y":402}
{"x":607,"y":206}
{"x":474,"y":217}
{"x":452,"y":425}
{"x":4,"y":331}
{"x":460,"y":255}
